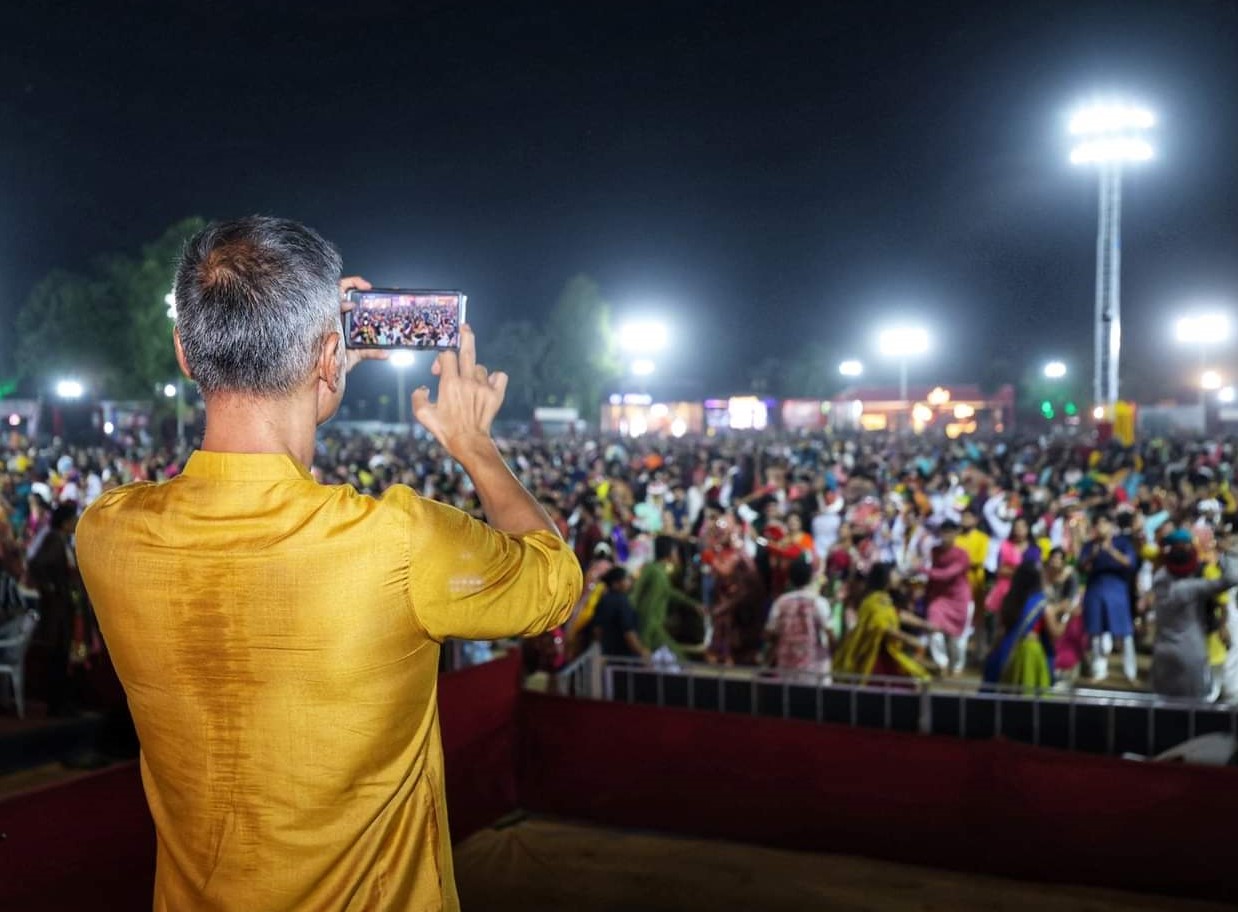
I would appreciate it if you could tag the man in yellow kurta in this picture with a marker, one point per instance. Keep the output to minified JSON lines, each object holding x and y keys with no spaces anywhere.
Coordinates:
{"x":278,"y":639}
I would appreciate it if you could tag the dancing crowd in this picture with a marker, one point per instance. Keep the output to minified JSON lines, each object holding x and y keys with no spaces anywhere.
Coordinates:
{"x":1028,"y":563}
{"x":405,"y":320}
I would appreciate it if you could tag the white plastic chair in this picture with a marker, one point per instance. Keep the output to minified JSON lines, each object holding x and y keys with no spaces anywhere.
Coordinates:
{"x":13,"y":657}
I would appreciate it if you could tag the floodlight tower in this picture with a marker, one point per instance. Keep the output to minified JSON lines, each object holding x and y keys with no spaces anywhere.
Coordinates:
{"x":1109,"y":136}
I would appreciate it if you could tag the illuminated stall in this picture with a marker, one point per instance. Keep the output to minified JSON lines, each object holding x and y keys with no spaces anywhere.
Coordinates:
{"x":637,"y":415}
{"x":805,"y":414}
{"x":739,"y":413}
{"x":954,"y":410}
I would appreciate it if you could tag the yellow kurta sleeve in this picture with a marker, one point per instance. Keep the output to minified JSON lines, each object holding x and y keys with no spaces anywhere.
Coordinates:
{"x":468,"y":580}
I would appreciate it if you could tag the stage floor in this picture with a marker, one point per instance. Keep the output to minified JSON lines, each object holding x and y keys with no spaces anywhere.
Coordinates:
{"x":551,"y":865}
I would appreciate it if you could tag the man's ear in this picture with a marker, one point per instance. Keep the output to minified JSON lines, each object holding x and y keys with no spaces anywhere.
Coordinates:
{"x":180,"y":353}
{"x":330,"y":362}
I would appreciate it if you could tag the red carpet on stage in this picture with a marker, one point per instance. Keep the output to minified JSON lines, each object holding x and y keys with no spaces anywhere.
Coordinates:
{"x":985,"y":807}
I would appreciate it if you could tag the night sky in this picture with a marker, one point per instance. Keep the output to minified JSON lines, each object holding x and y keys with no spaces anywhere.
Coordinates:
{"x":758,"y":174}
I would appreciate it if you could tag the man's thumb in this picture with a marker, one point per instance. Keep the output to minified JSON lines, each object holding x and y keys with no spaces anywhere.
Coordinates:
{"x":423,"y":408}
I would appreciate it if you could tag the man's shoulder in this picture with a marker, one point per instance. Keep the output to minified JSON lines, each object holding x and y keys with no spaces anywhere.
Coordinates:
{"x":117,"y":498}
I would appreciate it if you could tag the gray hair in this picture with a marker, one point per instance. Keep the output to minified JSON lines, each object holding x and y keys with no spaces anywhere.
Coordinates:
{"x":254,"y":298}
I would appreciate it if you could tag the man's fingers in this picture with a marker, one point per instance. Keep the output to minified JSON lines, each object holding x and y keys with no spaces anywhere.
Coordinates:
{"x":351,"y":283}
{"x":424,"y":411}
{"x":468,"y":350}
{"x":498,"y":383}
{"x":448,"y":364}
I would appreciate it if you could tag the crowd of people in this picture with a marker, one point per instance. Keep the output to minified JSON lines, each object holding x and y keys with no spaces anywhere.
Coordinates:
{"x":406,"y":320}
{"x":1029,"y":563}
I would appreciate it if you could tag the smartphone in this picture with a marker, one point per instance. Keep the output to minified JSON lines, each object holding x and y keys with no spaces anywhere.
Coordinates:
{"x":413,"y":319}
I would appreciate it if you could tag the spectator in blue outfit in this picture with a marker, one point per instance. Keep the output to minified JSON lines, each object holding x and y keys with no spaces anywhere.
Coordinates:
{"x":614,"y":623}
{"x":1108,"y":561}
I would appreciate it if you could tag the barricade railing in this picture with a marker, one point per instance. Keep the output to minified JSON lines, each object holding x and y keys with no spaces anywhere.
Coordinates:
{"x":1080,"y":719}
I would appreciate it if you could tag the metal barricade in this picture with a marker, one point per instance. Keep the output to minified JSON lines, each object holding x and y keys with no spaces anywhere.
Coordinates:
{"x":1095,"y":721}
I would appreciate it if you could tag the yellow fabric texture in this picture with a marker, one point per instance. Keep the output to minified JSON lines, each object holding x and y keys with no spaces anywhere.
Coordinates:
{"x":578,"y":624}
{"x":1216,"y":646}
{"x":278,"y":641}
{"x":860,"y":649}
{"x":976,"y":544}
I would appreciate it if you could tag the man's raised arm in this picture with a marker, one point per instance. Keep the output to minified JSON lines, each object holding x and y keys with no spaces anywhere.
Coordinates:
{"x":469,"y":397}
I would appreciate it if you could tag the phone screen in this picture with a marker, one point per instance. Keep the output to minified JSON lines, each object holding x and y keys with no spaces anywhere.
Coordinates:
{"x":402,"y":318}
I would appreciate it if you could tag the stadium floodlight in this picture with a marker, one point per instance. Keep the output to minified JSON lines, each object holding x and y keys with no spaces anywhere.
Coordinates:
{"x":1055,"y":370}
{"x":1210,"y":380}
{"x":70,"y":389}
{"x":851,"y":368}
{"x":644,"y":336}
{"x":169,"y":390}
{"x":643,"y":367}
{"x":1202,"y":329}
{"x":1109,"y":136}
{"x":1113,"y":149}
{"x":1226,"y":395}
{"x":1110,"y":117}
{"x":903,"y":342}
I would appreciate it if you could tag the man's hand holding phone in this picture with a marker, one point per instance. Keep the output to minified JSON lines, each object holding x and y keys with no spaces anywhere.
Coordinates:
{"x":357,"y":355}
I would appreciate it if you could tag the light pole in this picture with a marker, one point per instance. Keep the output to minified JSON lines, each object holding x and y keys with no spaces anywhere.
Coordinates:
{"x":1108,"y":136}
{"x":903,"y":343}
{"x":401,"y":360}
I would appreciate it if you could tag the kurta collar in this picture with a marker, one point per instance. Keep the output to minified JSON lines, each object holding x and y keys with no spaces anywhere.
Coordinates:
{"x":245,"y":467}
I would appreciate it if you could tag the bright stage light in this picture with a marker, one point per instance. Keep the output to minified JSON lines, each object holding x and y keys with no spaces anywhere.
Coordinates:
{"x":903,"y":341}
{"x":69,"y":389}
{"x":401,"y":358}
{"x":1111,"y":149}
{"x":1202,"y":329}
{"x":1110,"y":118}
{"x":643,"y":367}
{"x":1210,"y":380}
{"x":14,"y":420}
{"x":644,"y":336}
{"x":108,"y":427}
{"x":851,"y":368}
{"x":1226,"y":395}
{"x":169,"y":390}
{"x":1055,"y":370}
{"x":1099,"y":413}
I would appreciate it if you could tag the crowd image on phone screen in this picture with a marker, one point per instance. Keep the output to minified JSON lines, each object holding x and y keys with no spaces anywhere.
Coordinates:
{"x":415,"y":321}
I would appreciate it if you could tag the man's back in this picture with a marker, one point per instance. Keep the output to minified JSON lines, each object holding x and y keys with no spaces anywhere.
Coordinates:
{"x":278,"y":643}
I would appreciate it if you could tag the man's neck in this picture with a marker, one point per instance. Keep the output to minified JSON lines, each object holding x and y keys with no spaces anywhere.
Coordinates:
{"x":239,"y":423}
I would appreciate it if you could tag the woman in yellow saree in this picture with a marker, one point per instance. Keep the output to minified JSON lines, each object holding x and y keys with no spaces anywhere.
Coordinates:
{"x":875,"y":645}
